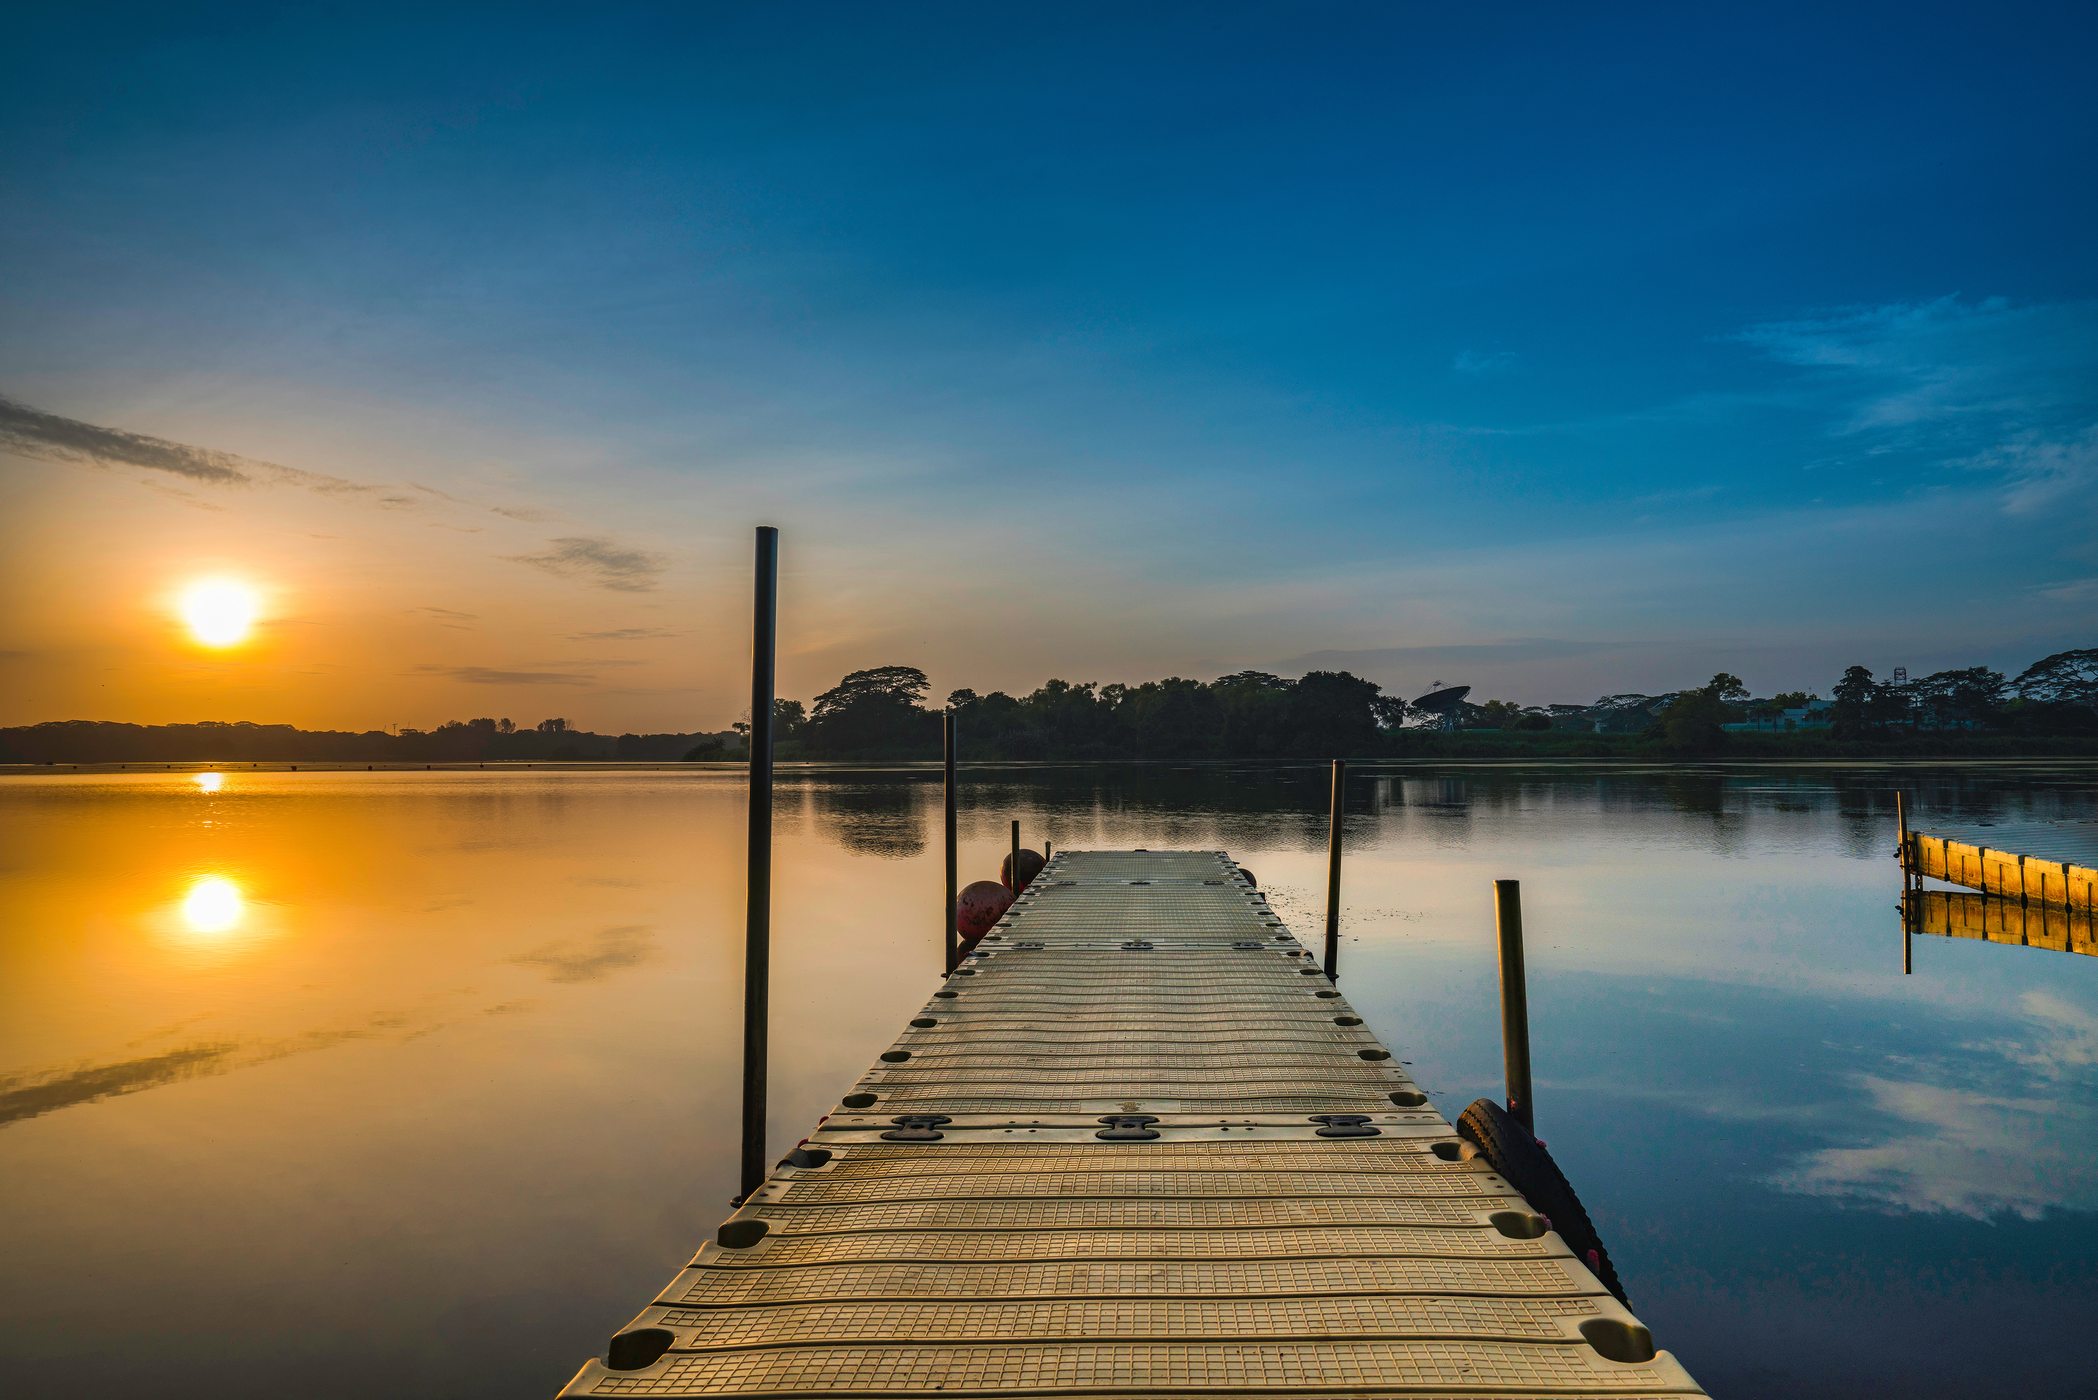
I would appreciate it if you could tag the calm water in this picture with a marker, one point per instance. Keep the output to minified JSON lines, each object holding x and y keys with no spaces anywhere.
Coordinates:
{"x":336,"y":1084}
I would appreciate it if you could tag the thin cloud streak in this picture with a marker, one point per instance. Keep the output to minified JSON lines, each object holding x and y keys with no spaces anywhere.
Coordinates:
{"x":624,"y":634}
{"x":487,"y":675}
{"x":595,"y":559}
{"x":53,"y":438}
{"x":49,"y":437}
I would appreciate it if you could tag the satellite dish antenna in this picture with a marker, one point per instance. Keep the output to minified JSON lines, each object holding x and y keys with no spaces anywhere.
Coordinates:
{"x":1442,"y":699}
{"x":1444,"y":702}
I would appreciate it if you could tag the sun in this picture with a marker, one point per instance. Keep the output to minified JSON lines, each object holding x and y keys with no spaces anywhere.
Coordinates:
{"x":220,"y":612}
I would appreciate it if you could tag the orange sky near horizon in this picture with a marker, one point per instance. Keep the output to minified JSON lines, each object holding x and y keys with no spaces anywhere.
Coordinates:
{"x":387,"y":604}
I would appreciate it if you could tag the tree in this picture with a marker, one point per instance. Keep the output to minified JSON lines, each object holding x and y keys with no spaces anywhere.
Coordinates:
{"x":1727,"y":687}
{"x":1332,"y":712}
{"x":2065,"y":678}
{"x":1172,"y":718}
{"x":1858,"y":704}
{"x":1695,"y":721}
{"x":552,"y":726}
{"x":506,"y":726}
{"x":1970,"y":696}
{"x":1494,"y":714}
{"x":1253,"y":714}
{"x":876,"y":711}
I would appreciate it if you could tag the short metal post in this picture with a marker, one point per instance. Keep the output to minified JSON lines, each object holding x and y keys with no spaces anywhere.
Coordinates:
{"x":954,"y":941}
{"x":1046,"y":851}
{"x":1515,"y":1000}
{"x":1012,"y":874}
{"x":757,"y":933}
{"x":1340,"y":778}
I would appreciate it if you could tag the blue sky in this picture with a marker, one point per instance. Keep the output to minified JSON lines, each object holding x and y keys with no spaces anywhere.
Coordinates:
{"x":1554,"y":349}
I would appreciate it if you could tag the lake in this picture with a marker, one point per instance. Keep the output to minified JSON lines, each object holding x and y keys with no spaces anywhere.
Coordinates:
{"x":421,"y":1083}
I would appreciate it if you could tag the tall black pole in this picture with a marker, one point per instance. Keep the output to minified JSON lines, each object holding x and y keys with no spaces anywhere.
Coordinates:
{"x":1908,"y":878}
{"x":1013,"y":881}
{"x":757,"y":932}
{"x":1515,"y":1000}
{"x":954,"y":942}
{"x":1340,"y":778}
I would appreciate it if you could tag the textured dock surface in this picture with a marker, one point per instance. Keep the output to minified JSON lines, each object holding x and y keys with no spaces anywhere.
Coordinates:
{"x":1009,"y":1236}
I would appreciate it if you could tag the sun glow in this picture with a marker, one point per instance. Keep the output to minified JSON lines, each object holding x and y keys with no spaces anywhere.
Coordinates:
{"x":209,"y":782}
{"x":214,"y":904}
{"x":220,"y":612}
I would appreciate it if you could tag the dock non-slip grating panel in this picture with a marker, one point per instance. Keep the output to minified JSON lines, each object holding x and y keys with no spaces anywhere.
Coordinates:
{"x":1146,"y":1148}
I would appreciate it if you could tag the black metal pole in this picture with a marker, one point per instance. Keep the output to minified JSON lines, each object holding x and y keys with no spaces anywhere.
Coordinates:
{"x":1515,"y":1000}
{"x":1901,"y":834}
{"x":1013,"y":875}
{"x":954,"y":940}
{"x":757,"y":933}
{"x":1340,"y":778}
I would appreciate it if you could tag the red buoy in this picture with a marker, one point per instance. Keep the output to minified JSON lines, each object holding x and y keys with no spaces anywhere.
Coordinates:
{"x":980,"y":907}
{"x":1031,"y":864}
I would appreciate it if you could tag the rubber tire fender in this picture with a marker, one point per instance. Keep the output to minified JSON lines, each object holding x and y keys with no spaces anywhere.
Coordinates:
{"x":1519,"y":1157}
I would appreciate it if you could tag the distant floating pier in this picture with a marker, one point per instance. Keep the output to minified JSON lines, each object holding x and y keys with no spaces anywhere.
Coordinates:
{"x":2003,"y":874}
{"x":2016,"y":923}
{"x":1136,"y":1144}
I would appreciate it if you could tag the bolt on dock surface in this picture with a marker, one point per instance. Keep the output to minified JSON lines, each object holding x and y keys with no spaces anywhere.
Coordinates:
{"x":1136,"y":1145}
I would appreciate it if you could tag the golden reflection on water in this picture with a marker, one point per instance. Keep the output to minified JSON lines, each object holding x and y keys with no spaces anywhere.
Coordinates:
{"x":214,"y":904}
{"x":382,"y":990}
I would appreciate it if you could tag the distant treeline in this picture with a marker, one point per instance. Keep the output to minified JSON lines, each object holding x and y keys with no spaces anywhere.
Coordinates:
{"x":459,"y":741}
{"x":881,"y":713}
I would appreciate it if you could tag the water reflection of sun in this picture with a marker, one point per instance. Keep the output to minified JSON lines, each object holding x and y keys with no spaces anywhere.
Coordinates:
{"x":209,"y":782}
{"x":214,"y":904}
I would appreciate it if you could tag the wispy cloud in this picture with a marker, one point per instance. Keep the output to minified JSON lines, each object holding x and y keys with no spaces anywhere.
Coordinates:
{"x":47,"y":1093}
{"x":32,"y":432}
{"x":450,"y":617}
{"x":69,"y":1086}
{"x":591,"y":958}
{"x":1517,"y":649}
{"x":597,"y":560}
{"x":1484,"y":362}
{"x":2042,"y":474}
{"x":2006,"y":389}
{"x":2075,"y":590}
{"x":623,"y":634}
{"x":487,"y":675}
{"x":1934,"y":1146}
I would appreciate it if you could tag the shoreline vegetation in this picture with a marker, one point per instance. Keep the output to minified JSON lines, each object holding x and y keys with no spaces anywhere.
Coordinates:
{"x":2049,"y":710}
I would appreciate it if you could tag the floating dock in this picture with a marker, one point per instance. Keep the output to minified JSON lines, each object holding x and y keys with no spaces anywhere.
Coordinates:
{"x":2015,"y":923}
{"x":2003,"y":874}
{"x":1137,"y":1144}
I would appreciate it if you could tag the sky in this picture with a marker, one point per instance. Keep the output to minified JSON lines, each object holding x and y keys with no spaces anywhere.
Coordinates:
{"x":1555,"y":350}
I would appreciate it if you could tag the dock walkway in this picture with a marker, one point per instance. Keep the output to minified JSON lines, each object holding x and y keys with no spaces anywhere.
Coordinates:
{"x":1137,"y":1144}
